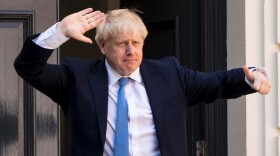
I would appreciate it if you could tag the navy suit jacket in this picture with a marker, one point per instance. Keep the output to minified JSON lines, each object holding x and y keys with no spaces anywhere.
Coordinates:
{"x":81,"y":88}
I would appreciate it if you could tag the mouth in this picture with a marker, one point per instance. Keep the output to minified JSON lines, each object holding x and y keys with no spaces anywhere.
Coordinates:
{"x":130,"y":60}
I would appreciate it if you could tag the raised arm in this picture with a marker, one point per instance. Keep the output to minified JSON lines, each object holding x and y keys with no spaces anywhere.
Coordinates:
{"x":76,"y":24}
{"x":31,"y":64}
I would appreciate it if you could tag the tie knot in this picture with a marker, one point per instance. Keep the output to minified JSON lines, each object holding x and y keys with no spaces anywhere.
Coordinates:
{"x":123,"y":81}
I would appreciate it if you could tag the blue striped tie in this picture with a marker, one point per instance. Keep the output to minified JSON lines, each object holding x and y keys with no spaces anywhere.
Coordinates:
{"x":121,"y":135}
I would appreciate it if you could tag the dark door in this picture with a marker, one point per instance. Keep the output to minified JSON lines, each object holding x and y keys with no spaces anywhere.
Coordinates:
{"x":175,"y":30}
{"x":193,"y":31}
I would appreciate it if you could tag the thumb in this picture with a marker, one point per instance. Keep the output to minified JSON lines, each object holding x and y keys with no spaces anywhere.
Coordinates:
{"x":85,"y":39}
{"x":248,"y":74}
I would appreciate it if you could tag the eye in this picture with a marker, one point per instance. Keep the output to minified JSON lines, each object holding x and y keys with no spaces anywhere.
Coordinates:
{"x":121,"y":43}
{"x":135,"y":43}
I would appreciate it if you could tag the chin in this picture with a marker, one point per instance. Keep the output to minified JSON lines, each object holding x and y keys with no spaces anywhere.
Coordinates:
{"x":128,"y":72}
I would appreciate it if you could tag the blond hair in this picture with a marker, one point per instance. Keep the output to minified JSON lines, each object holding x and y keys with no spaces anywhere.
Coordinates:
{"x":120,"y":21}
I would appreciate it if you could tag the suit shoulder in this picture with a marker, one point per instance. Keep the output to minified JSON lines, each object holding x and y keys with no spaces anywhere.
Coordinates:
{"x":79,"y":65}
{"x":168,"y":65}
{"x":78,"y":61}
{"x":162,"y":61}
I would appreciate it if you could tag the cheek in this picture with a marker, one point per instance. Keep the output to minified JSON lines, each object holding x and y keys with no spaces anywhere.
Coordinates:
{"x":140,"y":53}
{"x":114,"y":57}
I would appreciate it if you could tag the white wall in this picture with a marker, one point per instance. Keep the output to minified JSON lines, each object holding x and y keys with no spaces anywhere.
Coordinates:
{"x":251,"y":39}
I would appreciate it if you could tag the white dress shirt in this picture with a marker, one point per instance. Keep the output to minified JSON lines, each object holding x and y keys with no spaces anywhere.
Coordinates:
{"x":141,"y":127}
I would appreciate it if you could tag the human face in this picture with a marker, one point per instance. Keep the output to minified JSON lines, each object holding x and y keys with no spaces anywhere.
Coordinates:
{"x":124,"y":52}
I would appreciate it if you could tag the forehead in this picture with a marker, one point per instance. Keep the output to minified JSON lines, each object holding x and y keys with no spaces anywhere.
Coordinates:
{"x":127,"y":36}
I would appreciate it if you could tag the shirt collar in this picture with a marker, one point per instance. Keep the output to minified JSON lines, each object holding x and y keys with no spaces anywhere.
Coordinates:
{"x":114,"y":76}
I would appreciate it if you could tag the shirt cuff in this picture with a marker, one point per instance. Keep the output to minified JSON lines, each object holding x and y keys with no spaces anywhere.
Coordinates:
{"x":260,"y":69}
{"x":51,"y":38}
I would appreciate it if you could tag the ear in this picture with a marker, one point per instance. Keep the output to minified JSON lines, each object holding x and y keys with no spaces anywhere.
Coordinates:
{"x":102,"y":47}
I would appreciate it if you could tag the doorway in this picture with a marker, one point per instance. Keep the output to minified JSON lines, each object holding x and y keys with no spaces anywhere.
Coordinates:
{"x":194,"y":32}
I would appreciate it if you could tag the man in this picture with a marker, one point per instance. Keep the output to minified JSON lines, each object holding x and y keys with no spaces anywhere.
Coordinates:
{"x":157,"y":94}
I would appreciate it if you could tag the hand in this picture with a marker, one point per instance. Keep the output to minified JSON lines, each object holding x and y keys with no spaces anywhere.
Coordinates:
{"x":260,"y":83}
{"x":75,"y":25}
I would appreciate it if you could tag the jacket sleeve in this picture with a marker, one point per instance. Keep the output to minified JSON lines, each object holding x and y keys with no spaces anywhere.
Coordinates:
{"x":31,"y":64}
{"x":201,"y":87}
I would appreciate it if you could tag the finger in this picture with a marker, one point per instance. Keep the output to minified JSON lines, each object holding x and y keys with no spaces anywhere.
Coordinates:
{"x":92,"y":14}
{"x":267,"y":87}
{"x":262,"y":88}
{"x":85,"y":11}
{"x":257,"y":84}
{"x":95,"y":18}
{"x":96,"y":21}
{"x":265,"y":91}
{"x":95,"y":24}
{"x":248,"y":74}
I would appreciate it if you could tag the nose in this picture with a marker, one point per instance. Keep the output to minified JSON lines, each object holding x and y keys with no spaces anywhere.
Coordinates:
{"x":130,"y":49}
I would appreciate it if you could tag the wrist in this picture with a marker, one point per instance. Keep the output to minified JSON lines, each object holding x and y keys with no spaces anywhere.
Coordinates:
{"x":60,"y":28}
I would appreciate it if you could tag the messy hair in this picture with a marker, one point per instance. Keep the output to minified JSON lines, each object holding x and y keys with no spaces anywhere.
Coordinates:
{"x":120,"y":21}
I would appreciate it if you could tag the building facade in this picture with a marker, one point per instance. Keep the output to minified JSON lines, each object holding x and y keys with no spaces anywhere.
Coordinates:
{"x":253,"y":39}
{"x":245,"y":32}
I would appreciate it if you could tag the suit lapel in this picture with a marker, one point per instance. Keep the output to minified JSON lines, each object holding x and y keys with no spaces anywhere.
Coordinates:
{"x":153,"y":86}
{"x":98,"y":80}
